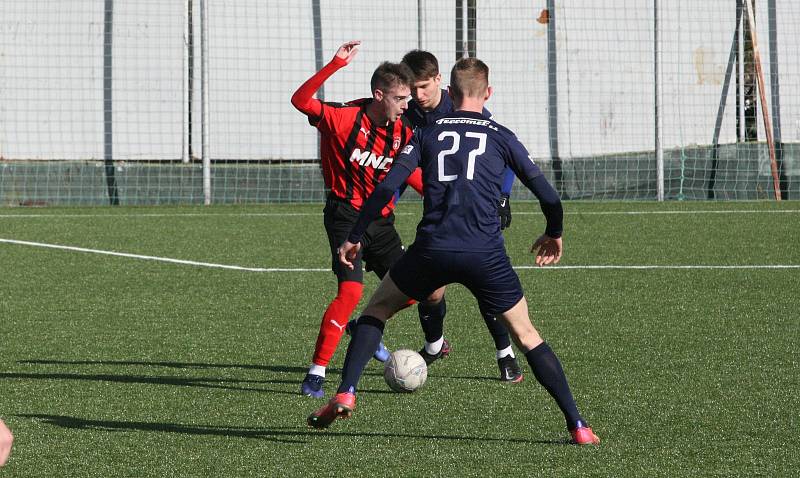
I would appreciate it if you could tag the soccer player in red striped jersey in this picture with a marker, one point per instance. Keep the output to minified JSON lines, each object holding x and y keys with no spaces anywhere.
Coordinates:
{"x":359,"y":141}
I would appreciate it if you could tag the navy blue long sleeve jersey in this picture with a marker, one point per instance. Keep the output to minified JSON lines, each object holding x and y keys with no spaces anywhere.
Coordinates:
{"x":420,"y":118}
{"x":463,"y":156}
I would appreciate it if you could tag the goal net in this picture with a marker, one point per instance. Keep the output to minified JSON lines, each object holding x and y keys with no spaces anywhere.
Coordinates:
{"x":153,"y":102}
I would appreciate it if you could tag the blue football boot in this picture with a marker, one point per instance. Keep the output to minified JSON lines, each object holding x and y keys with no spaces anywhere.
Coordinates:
{"x":312,"y":386}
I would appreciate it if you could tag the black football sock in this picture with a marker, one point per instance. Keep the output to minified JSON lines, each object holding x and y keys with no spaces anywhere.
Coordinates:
{"x":366,"y":336}
{"x":498,"y":330}
{"x":431,"y":317}
{"x":549,"y":373}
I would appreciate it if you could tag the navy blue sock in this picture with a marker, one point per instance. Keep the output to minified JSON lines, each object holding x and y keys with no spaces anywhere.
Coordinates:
{"x":498,"y":330}
{"x":366,"y":336}
{"x":431,"y":318}
{"x":549,"y":373}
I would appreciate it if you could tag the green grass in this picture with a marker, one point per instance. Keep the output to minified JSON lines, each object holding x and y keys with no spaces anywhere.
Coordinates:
{"x":113,"y":366}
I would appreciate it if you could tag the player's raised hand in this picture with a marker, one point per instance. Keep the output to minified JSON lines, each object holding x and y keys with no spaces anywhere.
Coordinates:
{"x":348,"y":51}
{"x":347,"y":253}
{"x":548,"y":250}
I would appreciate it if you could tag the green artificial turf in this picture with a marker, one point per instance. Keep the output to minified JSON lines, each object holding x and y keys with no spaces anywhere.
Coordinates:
{"x":121,"y":366}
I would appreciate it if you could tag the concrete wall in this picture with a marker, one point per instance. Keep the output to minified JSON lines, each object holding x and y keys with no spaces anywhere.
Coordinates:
{"x":51,"y":72}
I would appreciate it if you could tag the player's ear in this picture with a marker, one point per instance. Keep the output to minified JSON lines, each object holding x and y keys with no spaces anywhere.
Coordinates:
{"x":437,"y":79}
{"x":378,"y":95}
{"x":489,"y":91}
{"x":450,"y":92}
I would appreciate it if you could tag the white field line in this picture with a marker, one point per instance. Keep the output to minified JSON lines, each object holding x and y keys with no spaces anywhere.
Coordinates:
{"x":299,"y":269}
{"x":648,"y":267}
{"x":155,"y":258}
{"x":319,"y":213}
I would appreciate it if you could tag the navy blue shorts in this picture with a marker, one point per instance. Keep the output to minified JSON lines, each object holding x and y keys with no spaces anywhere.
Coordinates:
{"x":488,"y":275}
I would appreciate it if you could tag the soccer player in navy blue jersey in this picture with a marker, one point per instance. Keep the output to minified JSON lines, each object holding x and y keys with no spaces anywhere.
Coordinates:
{"x":462,"y":156}
{"x":430,"y":103}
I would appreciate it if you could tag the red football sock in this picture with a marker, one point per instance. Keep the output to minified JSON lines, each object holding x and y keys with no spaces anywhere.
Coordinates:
{"x":408,"y":304}
{"x":334,"y":321}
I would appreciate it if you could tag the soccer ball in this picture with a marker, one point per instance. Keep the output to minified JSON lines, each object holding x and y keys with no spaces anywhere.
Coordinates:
{"x":405,"y":371}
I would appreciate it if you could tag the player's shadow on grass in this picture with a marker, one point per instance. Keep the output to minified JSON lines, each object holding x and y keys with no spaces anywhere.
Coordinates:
{"x":203,"y":382}
{"x":289,"y":435}
{"x":181,"y":365}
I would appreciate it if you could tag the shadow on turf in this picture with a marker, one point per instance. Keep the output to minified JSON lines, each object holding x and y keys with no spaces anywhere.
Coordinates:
{"x":278,"y":434}
{"x":268,"y":368}
{"x":204,"y":382}
{"x":191,"y":365}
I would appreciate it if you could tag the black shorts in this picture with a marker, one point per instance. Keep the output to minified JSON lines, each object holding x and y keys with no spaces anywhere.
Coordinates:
{"x":488,"y":275}
{"x":380,"y":247}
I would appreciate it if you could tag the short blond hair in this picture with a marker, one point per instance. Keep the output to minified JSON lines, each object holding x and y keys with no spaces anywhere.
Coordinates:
{"x":469,"y":78}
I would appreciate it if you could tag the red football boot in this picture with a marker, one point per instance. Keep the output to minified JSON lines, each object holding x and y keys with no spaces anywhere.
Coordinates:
{"x":584,"y":436}
{"x":341,"y":405}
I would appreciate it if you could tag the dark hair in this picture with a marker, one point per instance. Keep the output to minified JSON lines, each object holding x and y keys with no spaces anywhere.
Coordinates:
{"x":470,"y":77}
{"x":422,"y":63}
{"x":388,"y":75}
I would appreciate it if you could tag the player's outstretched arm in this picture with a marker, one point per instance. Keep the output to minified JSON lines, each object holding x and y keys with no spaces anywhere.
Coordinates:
{"x":303,"y":99}
{"x":549,"y":246}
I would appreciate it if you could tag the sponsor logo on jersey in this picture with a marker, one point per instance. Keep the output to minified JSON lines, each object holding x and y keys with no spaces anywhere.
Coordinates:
{"x":408,"y":149}
{"x":369,"y":159}
{"x":470,"y":121}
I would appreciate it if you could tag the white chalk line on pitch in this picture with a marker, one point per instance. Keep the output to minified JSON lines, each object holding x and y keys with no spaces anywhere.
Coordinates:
{"x":153,"y":258}
{"x":300,"y":269}
{"x":301,"y":214}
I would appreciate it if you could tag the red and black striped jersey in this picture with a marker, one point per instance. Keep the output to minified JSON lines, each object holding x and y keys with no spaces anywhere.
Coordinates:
{"x":356,"y":154}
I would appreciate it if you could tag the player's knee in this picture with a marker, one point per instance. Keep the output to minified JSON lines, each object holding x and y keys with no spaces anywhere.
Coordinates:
{"x":436,"y":296}
{"x":350,"y":293}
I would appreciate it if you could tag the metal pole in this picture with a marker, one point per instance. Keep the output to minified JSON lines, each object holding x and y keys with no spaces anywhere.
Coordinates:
{"x":658,"y":104}
{"x":316,"y":13}
{"x":420,"y":24}
{"x":108,"y":102}
{"x":187,"y":98}
{"x":740,"y":90}
{"x":763,"y":95}
{"x":472,"y":26}
{"x":775,"y":91}
{"x":552,"y":98}
{"x":465,"y":28}
{"x":205,"y":123}
{"x":712,"y":177}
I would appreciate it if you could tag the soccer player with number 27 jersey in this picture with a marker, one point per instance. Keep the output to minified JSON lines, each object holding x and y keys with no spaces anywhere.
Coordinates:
{"x":462,"y":156}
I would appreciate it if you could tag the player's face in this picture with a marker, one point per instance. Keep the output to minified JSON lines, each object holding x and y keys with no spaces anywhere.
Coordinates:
{"x":395,"y":102}
{"x":428,"y":93}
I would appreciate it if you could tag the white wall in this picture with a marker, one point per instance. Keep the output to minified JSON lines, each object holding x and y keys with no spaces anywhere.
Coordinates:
{"x":51,"y":72}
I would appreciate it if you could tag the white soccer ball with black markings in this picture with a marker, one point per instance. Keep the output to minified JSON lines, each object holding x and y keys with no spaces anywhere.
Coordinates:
{"x":405,"y":371}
